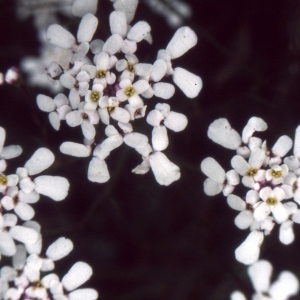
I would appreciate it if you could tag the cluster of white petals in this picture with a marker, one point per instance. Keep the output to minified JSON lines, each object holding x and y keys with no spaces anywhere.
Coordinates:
{"x":31,"y":275}
{"x":21,"y":189}
{"x":108,"y":85}
{"x":286,"y":285}
{"x":270,"y":177}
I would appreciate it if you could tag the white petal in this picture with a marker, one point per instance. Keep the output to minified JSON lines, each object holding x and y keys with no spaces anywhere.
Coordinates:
{"x":88,"y":130}
{"x":45,"y":103}
{"x":54,"y":120}
{"x":279,"y":212}
{"x":60,"y":37}
{"x":113,"y":44}
{"x":74,"y":118}
{"x":77,"y":275}
{"x":297,"y":142}
{"x":24,"y":235}
{"x":248,"y":252}
{"x":7,"y":245}
{"x":135,"y":140}
{"x":285,"y":286}
{"x":55,"y":187}
{"x":97,"y":171}
{"x":164,"y":90}
{"x":261,"y":211}
{"x":211,"y":187}
{"x":41,"y":159}
{"x":11,"y":151}
{"x":286,"y":233}
{"x":221,"y":133}
{"x":183,"y":40}
{"x":154,"y":117}
{"x":59,"y":249}
{"x":176,"y":121}
{"x":159,"y":70}
{"x":120,"y":114}
{"x":80,"y":8}
{"x":2,"y":138}
{"x":164,"y":170}
{"x":160,"y":140}
{"x":260,"y":275}
{"x":86,"y":294}
{"x":24,"y":211}
{"x":189,"y":83}
{"x":118,"y":23}
{"x":283,"y":145}
{"x":67,"y":81}
{"x":75,"y":149}
{"x":236,"y":202}
{"x":237,"y":295}
{"x":257,"y":158}
{"x":254,"y":124}
{"x":112,"y":142}
{"x":87,"y":28}
{"x":141,"y":86}
{"x":139,"y":31}
{"x":212,"y":169}
{"x":244,"y":219}
{"x":128,"y":7}
{"x":239,"y":164}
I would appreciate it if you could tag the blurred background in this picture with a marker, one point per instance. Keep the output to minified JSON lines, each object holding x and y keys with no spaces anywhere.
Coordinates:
{"x":145,"y":241}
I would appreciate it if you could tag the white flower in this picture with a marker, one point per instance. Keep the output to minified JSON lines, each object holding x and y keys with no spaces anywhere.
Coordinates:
{"x":271,"y":203}
{"x":277,"y":173}
{"x":250,"y":170}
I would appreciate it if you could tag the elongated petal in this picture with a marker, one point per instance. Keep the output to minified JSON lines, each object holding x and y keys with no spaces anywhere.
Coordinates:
{"x":59,"y":249}
{"x":77,"y":275}
{"x":86,"y":294}
{"x":189,"y":83}
{"x":7,"y":245}
{"x":139,"y":31}
{"x":221,"y":133}
{"x":75,"y":149}
{"x":60,"y":37}
{"x":87,"y":28}
{"x":118,"y":23}
{"x":183,"y":40}
{"x":248,"y":252}
{"x":41,"y":160}
{"x":282,"y":146}
{"x":24,"y":235}
{"x":55,"y":187}
{"x":212,"y":169}
{"x":164,"y":170}
{"x":260,"y":275}
{"x":97,"y":171}
{"x":160,"y":140}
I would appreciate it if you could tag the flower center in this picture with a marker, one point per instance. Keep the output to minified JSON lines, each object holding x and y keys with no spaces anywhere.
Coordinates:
{"x":271,"y":201}
{"x":95,"y":96}
{"x":251,"y":172}
{"x":129,"y":91}
{"x":100,"y":74}
{"x":129,"y":67}
{"x":276,"y":174}
{"x":295,"y":187}
{"x":3,"y":180}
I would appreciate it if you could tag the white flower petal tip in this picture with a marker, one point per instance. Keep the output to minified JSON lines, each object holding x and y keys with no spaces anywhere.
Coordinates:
{"x":87,"y":28}
{"x":139,"y":31}
{"x":75,"y":149}
{"x":189,"y":83}
{"x":54,"y":187}
{"x":221,"y":133}
{"x":41,"y":160}
{"x":77,"y":275}
{"x":176,"y":121}
{"x":237,"y":295}
{"x":164,"y":170}
{"x":297,"y":142}
{"x":86,"y":294}
{"x":160,"y":140}
{"x":27,"y":236}
{"x":82,"y":7}
{"x":59,"y":249}
{"x":285,"y":286}
{"x":248,"y":252}
{"x":60,"y":37}
{"x":212,"y":169}
{"x":182,"y":41}
{"x":260,"y":275}
{"x":98,"y":171}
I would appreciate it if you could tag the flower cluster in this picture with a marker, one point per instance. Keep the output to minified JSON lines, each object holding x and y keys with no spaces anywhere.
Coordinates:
{"x":286,"y":286}
{"x":270,"y":177}
{"x":21,"y":238}
{"x":108,"y":84}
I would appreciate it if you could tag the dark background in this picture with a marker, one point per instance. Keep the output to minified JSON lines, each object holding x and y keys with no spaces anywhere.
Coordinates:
{"x":145,"y":241}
